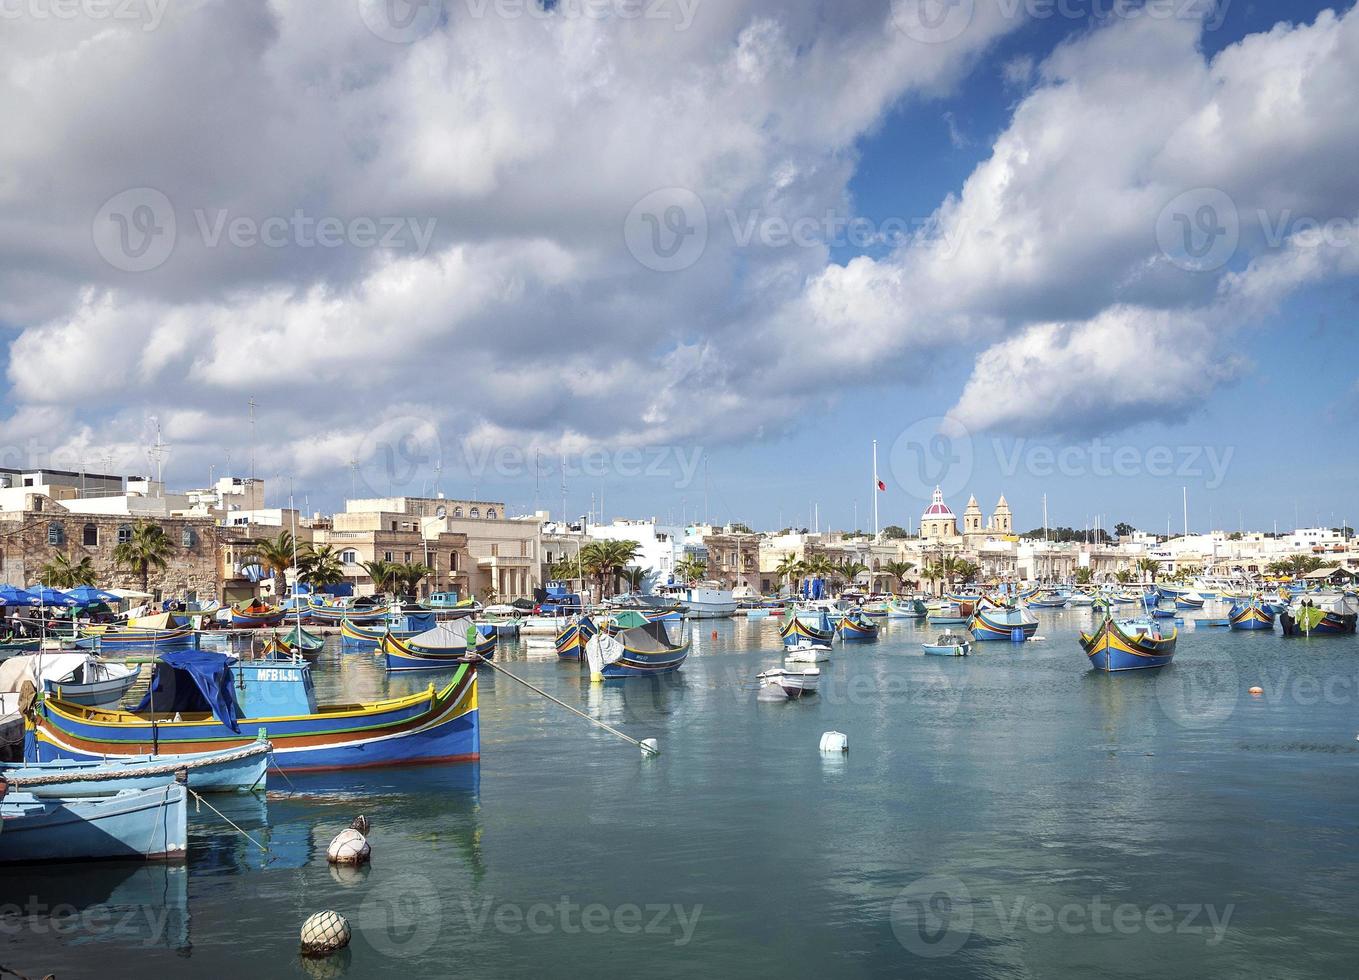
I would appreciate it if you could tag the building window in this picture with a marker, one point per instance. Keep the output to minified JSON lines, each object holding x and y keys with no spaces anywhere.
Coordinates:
{"x":124,"y":533}
{"x":495,"y":551}
{"x":490,"y":513}
{"x":56,"y":534}
{"x":407,"y":559}
{"x":188,"y":538}
{"x":349,"y":557}
{"x":90,"y":536}
{"x":393,"y":525}
{"x":386,"y":556}
{"x":476,"y":512}
{"x":452,"y":561}
{"x":457,"y":511}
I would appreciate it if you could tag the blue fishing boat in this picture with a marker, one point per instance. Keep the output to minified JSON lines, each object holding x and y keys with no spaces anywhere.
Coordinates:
{"x":571,"y":639}
{"x":441,"y":648}
{"x":403,"y":628}
{"x":139,"y":637}
{"x":202,"y":702}
{"x":1048,"y":600}
{"x":1003,"y":623}
{"x":640,"y":651}
{"x":804,"y":627}
{"x":949,"y":644}
{"x":334,"y":614}
{"x":855,"y":626}
{"x":256,"y":614}
{"x":951,"y":613}
{"x":1189,"y":600}
{"x":1252,"y":615}
{"x":1128,"y":645}
{"x":1320,"y":616}
{"x":148,"y":824}
{"x":230,"y":770}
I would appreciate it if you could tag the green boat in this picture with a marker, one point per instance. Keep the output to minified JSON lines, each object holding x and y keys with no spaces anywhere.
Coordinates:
{"x":303,"y":641}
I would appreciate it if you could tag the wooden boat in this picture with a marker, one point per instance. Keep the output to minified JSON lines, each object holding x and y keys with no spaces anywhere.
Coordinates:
{"x":1048,"y":600}
{"x":333,"y":614}
{"x":1320,"y":616}
{"x":138,"y":637}
{"x":791,"y":684}
{"x":279,"y":648}
{"x":907,"y":609}
{"x":807,"y":652}
{"x":441,"y":648}
{"x":877,"y":610}
{"x":1080,"y":599}
{"x":949,"y":644}
{"x":1008,"y":623}
{"x":856,"y":627}
{"x":1128,"y":645}
{"x":1252,"y":615}
{"x":1189,"y":600}
{"x":226,"y":771}
{"x":950,"y":613}
{"x":640,"y":651}
{"x":256,"y":614}
{"x":201,"y":701}
{"x":354,"y":634}
{"x":570,"y":641}
{"x":79,"y":676}
{"x":150,"y":824}
{"x":304,"y":642}
{"x":796,"y":629}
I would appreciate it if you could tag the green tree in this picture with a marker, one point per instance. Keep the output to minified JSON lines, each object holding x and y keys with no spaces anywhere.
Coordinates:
{"x":1149,"y":567}
{"x":691,"y":569}
{"x":408,"y":576}
{"x":893,"y":532}
{"x":276,"y":556}
{"x":1123,"y":529}
{"x":319,"y":567}
{"x":1125,"y":576}
{"x":899,"y":570}
{"x":1084,"y":576}
{"x":633,"y":577}
{"x":62,"y":573}
{"x":148,"y":547}
{"x":790,"y":570}
{"x":383,"y":573}
{"x":851,"y":570}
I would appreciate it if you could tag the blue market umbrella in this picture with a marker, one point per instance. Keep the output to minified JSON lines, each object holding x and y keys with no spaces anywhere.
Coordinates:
{"x":51,"y":597}
{"x":13,"y":596}
{"x":88,"y":595}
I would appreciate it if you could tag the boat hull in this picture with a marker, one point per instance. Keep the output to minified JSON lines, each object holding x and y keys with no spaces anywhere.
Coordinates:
{"x":229,"y":771}
{"x":999,"y":625}
{"x":858,"y":630}
{"x":1251,"y":618}
{"x":147,"y":824}
{"x":432,"y":726}
{"x":98,"y":694}
{"x":1327,"y":624}
{"x":795,"y":631}
{"x":948,"y":649}
{"x":1111,"y":648}
{"x":402,"y":656}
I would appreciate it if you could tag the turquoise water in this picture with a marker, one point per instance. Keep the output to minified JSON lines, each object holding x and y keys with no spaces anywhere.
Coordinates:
{"x":1006,"y":815}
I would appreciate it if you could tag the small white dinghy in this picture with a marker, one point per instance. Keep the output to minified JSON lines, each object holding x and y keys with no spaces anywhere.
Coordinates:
{"x":807,"y":652}
{"x":789,"y":684}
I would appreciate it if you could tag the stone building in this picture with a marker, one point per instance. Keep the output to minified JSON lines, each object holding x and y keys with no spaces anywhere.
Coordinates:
{"x":34,"y":535}
{"x":734,"y":560}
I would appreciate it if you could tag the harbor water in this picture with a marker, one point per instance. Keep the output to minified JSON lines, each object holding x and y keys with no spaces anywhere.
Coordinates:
{"x":1006,"y":815}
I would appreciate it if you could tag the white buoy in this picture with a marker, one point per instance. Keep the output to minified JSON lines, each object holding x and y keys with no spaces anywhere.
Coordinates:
{"x":349,"y":847}
{"x":325,"y":932}
{"x":650,"y":746}
{"x":834,"y":742}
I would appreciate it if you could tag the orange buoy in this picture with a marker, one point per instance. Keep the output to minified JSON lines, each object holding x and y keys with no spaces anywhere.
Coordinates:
{"x":1257,"y":691}
{"x":714,"y":634}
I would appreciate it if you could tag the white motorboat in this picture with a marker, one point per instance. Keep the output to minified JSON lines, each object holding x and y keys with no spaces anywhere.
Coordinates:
{"x":705,"y":601}
{"x":807,"y":652}
{"x":790,"y":683}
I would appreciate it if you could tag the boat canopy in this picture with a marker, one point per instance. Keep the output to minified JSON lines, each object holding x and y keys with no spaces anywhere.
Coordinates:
{"x":630,"y":619}
{"x":650,"y":638}
{"x":193,"y":681}
{"x":442,"y":637}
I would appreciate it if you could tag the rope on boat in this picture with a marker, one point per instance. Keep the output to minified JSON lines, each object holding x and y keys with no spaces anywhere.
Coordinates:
{"x":198,"y":797}
{"x":647,"y":749}
{"x":168,"y":768}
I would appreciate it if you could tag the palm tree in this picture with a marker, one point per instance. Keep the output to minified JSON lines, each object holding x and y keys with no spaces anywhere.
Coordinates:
{"x":593,"y":560}
{"x":1149,"y":567}
{"x":409,"y":576}
{"x":1124,"y":576}
{"x":691,"y":569}
{"x":790,"y":570}
{"x":851,"y":570}
{"x":148,"y":547}
{"x":899,"y":570}
{"x":618,"y":556}
{"x":276,"y":556}
{"x":383,"y":574}
{"x":1084,"y":576}
{"x":62,"y":573}
{"x":634,"y":576}
{"x":319,"y":567}
{"x":964,"y":570}
{"x":563,"y":570}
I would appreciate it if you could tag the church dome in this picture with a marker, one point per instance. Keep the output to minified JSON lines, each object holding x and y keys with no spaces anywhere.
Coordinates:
{"x":937,"y":507}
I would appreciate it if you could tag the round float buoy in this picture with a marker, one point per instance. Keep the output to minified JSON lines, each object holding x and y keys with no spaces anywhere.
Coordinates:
{"x":714,"y":634}
{"x":1257,"y":691}
{"x":834,"y":742}
{"x":324,"y":933}
{"x":650,"y":747}
{"x":349,"y":847}
{"x":360,"y":823}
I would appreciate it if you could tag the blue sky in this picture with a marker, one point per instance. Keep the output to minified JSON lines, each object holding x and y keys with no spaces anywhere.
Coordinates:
{"x":1045,"y":326}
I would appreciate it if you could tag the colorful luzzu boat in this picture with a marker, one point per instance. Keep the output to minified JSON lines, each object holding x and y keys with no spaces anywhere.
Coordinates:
{"x":1001,"y":622}
{"x":796,"y":630}
{"x":1253,"y":615}
{"x":855,"y":626}
{"x":1319,"y":617}
{"x":1128,"y":645}
{"x":329,"y":614}
{"x":161,"y":631}
{"x":256,"y":614}
{"x":639,"y":651}
{"x":571,"y":640}
{"x":222,"y":704}
{"x":403,"y":628}
{"x":441,"y":648}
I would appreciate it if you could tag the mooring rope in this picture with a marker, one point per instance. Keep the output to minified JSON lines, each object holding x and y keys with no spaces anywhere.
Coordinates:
{"x":594,"y":721}
{"x":198,"y":797}
{"x":168,"y":768}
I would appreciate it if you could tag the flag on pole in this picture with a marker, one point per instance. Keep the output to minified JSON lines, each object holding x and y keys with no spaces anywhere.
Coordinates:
{"x":882,"y":486}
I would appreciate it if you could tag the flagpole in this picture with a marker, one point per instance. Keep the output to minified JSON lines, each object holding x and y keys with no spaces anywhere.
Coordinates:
{"x":875,"y":490}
